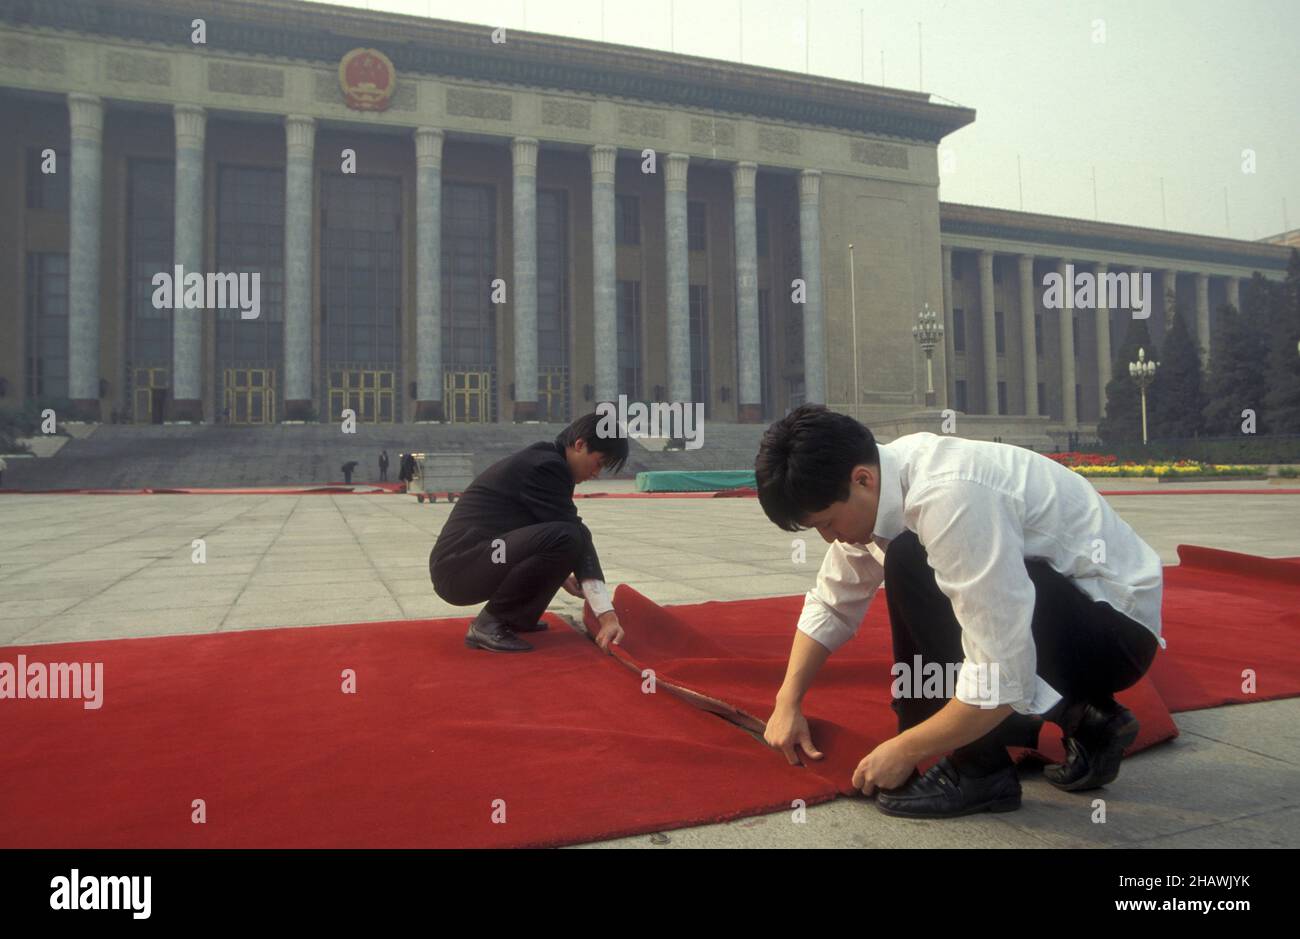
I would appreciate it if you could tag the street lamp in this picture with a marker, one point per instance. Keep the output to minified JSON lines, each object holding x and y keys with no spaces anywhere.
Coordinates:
{"x":853,"y":318}
{"x":1144,"y":373}
{"x":928,"y":331}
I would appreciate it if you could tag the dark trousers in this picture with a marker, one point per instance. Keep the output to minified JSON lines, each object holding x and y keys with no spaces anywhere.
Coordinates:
{"x":1086,"y":649}
{"x":383,"y":472}
{"x":532,"y":564}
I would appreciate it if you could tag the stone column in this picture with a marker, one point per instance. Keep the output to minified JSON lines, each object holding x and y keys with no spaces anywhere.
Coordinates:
{"x":749,"y":378}
{"x":679,"y":295}
{"x":300,"y":141}
{"x":1103,"y":338}
{"x":428,"y":274}
{"x":988,"y":329}
{"x":1203,"y":316}
{"x":1234,"y":293}
{"x":86,"y":115}
{"x":604,"y":159}
{"x":1028,"y":344}
{"x":814,"y":320}
{"x":524,"y":153}
{"x":949,"y":351}
{"x":1167,"y":308}
{"x":1070,"y":408}
{"x":187,"y":325}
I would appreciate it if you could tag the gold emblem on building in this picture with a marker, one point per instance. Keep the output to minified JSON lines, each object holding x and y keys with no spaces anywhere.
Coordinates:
{"x":367,"y":78}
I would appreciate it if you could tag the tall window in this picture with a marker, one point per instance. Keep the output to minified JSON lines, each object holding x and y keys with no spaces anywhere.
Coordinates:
{"x":999,"y":334}
{"x":48,"y":191}
{"x":1074,"y":325}
{"x":959,"y":392}
{"x":361,"y":292}
{"x":958,"y":330}
{"x":760,"y":215}
{"x":696,"y":226}
{"x":1042,"y":400}
{"x":150,"y":219}
{"x":468,"y":266}
{"x":627,"y":220}
{"x":629,"y":339}
{"x":552,"y":278}
{"x":47,"y":325}
{"x":250,"y":238}
{"x":1002,"y":397}
{"x":700,"y":346}
{"x":1038,"y":333}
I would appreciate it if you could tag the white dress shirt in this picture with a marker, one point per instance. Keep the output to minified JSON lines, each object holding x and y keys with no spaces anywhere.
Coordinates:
{"x":981,"y":510}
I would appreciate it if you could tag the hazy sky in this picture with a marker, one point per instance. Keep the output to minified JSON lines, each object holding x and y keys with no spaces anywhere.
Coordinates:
{"x":1177,"y":90}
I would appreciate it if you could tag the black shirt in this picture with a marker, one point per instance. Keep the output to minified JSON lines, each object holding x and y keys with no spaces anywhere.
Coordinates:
{"x":534,"y":485}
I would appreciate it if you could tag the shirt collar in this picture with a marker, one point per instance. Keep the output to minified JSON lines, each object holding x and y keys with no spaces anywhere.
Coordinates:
{"x":889,"y":511}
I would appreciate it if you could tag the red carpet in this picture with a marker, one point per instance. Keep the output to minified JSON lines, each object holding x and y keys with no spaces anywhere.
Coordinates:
{"x":255,"y":723}
{"x":735,"y":653}
{"x":1224,"y":613}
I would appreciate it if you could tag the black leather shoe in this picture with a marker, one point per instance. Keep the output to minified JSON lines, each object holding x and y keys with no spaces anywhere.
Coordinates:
{"x":1094,"y":746}
{"x":488,"y":632}
{"x":537,"y":627}
{"x":943,"y":792}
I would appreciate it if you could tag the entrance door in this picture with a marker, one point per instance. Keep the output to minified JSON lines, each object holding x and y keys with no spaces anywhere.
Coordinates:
{"x":250,"y":395}
{"x":149,"y":400}
{"x":369,"y":393}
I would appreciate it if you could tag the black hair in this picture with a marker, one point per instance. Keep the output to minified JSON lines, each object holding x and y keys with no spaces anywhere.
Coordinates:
{"x":614,"y":447}
{"x":805,"y":461}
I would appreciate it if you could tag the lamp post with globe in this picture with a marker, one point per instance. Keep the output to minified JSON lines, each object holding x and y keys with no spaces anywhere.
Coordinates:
{"x":1143,"y":371}
{"x":928,"y":332}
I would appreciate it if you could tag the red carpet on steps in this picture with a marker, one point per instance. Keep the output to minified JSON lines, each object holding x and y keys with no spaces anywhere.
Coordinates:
{"x":255,"y":724}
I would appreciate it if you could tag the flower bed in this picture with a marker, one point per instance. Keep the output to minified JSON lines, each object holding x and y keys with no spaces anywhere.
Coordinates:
{"x":1184,"y":469}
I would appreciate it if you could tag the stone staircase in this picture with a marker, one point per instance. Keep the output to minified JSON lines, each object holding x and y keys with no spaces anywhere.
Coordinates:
{"x":136,"y":456}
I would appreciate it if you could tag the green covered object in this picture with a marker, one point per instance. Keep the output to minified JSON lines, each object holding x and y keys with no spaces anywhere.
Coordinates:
{"x":701,"y":481}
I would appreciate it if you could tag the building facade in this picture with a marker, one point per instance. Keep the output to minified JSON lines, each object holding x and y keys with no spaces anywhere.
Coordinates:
{"x":452,"y":223}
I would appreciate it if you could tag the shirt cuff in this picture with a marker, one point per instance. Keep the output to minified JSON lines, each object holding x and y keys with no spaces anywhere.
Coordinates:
{"x":597,"y":595}
{"x":826,"y":629}
{"x":980,"y":685}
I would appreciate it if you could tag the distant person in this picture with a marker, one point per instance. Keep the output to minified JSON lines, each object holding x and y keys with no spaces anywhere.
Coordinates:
{"x":2,"y":471}
{"x":406,"y":470}
{"x":514,"y":538}
{"x":383,"y":466}
{"x":348,"y":467}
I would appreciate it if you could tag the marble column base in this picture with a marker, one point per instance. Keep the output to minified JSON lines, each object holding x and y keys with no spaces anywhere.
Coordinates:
{"x":298,"y":410}
{"x":429,"y":411}
{"x":185,"y":409}
{"x":750,"y":414}
{"x":527,"y":411}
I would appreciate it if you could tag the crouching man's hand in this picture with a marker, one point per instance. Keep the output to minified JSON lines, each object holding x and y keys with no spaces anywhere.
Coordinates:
{"x":787,"y":727}
{"x":610,"y":631}
{"x":886,"y":767}
{"x":572,"y":587}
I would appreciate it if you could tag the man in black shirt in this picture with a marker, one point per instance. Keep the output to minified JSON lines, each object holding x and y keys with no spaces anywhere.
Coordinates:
{"x":515,"y":537}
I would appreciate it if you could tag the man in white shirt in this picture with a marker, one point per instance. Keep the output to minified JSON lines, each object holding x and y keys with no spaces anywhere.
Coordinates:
{"x":1001,"y":568}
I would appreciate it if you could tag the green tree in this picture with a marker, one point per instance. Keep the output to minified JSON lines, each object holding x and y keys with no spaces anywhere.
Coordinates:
{"x":1123,"y":421}
{"x":1177,"y":388}
{"x":1282,"y":403}
{"x":1237,"y":379}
